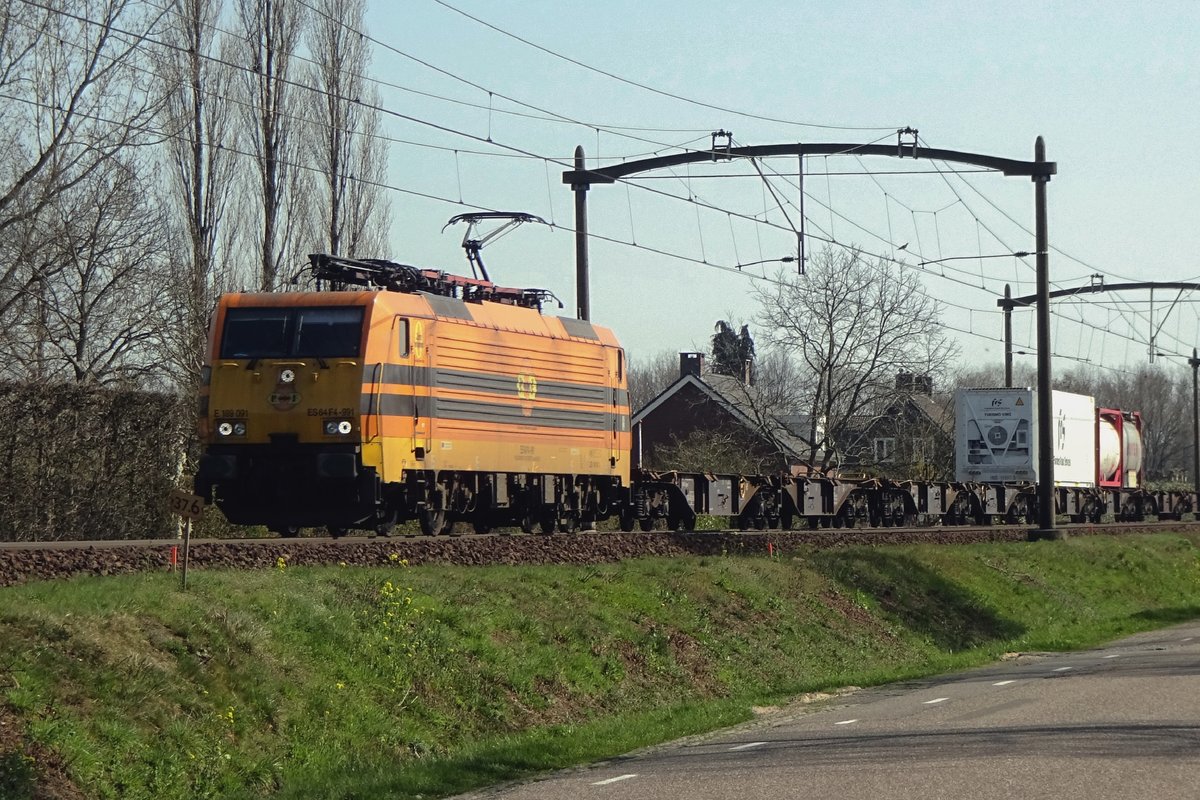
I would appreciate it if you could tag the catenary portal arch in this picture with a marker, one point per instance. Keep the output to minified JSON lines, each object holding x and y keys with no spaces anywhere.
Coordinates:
{"x":1039,"y":170}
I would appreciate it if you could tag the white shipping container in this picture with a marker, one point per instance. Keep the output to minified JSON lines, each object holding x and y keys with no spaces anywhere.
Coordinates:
{"x":996,"y":438}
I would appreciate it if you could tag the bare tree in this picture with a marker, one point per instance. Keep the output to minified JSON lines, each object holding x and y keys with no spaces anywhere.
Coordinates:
{"x":853,"y":324}
{"x":78,"y":94}
{"x":97,"y":314}
{"x":649,"y":376}
{"x":202,"y":170}
{"x":347,"y":151}
{"x":272,"y":31}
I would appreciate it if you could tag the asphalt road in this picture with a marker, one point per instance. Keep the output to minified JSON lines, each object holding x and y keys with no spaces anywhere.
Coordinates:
{"x":1122,"y":721}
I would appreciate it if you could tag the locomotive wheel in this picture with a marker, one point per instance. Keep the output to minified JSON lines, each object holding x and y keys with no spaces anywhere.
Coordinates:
{"x":289,"y":531}
{"x":839,"y":521}
{"x":627,"y":523}
{"x":337,"y":531}
{"x":773,"y":522}
{"x":760,"y":523}
{"x":432,"y":522}
{"x":481,"y":525}
{"x":568,"y":524}
{"x":527,"y":523}
{"x":549,"y":523}
{"x":646,"y":523}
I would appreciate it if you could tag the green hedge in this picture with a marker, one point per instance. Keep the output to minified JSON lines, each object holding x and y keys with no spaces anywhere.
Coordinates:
{"x":87,"y":462}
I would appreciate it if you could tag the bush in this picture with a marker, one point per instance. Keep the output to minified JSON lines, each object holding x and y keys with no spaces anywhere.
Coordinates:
{"x":80,"y":462}
{"x":18,"y":776}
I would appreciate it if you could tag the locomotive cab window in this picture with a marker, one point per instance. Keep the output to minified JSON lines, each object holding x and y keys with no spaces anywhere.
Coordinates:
{"x":292,"y":332}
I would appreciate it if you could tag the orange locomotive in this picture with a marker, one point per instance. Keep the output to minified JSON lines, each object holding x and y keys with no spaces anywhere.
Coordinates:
{"x":439,"y":398}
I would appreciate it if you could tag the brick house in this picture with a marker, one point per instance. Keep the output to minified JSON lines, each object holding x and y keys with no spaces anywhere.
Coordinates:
{"x":706,"y":421}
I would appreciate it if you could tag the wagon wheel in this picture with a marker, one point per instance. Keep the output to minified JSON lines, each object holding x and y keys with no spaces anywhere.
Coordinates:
{"x":646,"y":523}
{"x":432,"y":522}
{"x":548,"y":522}
{"x":627,"y":523}
{"x":569,"y":523}
{"x":527,"y":523}
{"x":336,"y":531}
{"x":289,"y":531}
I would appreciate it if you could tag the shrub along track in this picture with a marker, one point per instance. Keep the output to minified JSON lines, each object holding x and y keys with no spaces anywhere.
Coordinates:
{"x":48,"y":561}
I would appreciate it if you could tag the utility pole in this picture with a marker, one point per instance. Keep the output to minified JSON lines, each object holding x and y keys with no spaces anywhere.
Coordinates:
{"x":1045,"y":405}
{"x":1194,"y":361}
{"x":583,"y":305}
{"x":1008,"y":354}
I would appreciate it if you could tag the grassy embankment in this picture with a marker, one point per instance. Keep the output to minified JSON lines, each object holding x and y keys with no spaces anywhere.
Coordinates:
{"x":407,"y":682}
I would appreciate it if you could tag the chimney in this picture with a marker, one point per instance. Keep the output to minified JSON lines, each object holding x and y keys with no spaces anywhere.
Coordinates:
{"x":904,"y":382}
{"x":924,"y":384}
{"x":691,"y":364}
{"x":748,"y":372}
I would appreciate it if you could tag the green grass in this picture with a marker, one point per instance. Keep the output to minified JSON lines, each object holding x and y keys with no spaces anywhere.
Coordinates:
{"x":403,"y":682}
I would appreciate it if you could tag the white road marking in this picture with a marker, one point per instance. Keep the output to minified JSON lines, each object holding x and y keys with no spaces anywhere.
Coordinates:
{"x":936,"y":700}
{"x":614,"y":780}
{"x":747,"y":746}
{"x":1188,"y":639}
{"x":845,"y":722}
{"x":1114,"y":655}
{"x":1003,"y":683}
{"x":1062,"y":669}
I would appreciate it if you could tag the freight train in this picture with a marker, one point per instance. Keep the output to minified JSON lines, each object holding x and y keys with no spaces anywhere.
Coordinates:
{"x":395,"y":393}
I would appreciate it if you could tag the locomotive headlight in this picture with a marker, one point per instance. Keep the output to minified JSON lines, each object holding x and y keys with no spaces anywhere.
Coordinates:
{"x":226,"y":428}
{"x":338,"y":427}
{"x":287,"y":376}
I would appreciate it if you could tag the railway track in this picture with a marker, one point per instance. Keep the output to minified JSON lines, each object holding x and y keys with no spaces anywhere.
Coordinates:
{"x":21,"y":562}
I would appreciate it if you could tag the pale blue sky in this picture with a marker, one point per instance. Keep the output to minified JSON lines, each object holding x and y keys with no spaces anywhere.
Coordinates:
{"x":1113,"y":88}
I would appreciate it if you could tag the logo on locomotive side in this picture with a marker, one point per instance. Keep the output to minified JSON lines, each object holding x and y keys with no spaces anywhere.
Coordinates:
{"x":418,"y":341}
{"x":527,"y":387}
{"x":527,"y":392}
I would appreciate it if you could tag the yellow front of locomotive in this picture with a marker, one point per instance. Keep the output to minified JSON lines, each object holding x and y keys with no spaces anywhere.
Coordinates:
{"x":281,"y":410}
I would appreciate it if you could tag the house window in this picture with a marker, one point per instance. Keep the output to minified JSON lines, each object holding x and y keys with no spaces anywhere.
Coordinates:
{"x":885,"y":450}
